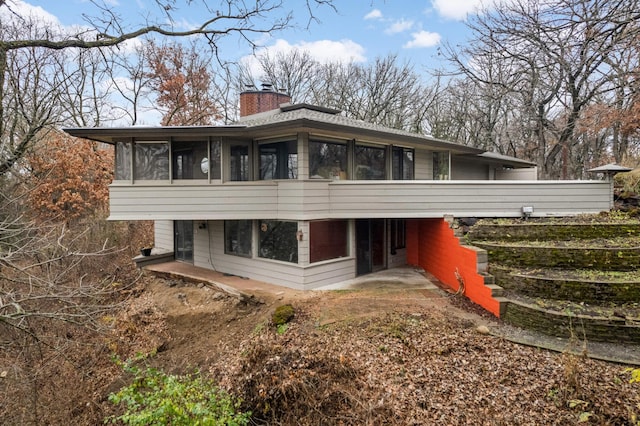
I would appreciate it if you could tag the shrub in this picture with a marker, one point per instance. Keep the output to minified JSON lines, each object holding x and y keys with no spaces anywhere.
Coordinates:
{"x":155,"y":398}
{"x":282,"y":315}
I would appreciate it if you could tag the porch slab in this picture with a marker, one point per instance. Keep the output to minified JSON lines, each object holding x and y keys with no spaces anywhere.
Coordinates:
{"x":405,"y":278}
{"x":402,"y":278}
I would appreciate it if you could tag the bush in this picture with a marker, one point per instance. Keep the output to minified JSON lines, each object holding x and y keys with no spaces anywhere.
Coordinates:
{"x":155,"y":398}
{"x":282,"y":315}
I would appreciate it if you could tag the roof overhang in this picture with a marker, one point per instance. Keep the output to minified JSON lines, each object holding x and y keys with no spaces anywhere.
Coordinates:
{"x":506,"y":160}
{"x":111,"y":135}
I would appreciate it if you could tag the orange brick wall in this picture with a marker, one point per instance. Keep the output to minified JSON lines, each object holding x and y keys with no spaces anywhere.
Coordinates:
{"x":432,"y":245}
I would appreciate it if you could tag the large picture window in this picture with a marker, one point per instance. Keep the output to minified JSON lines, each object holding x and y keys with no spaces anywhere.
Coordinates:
{"x":187,"y":158}
{"x":123,"y":161}
{"x":278,"y":240}
{"x":237,"y":237}
{"x":151,"y":161}
{"x":403,"y":163}
{"x":328,"y":239}
{"x":279,"y":160}
{"x":327,"y":160}
{"x":369,"y":162}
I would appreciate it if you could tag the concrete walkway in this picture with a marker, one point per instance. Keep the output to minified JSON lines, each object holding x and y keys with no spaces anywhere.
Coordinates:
{"x":402,"y":278}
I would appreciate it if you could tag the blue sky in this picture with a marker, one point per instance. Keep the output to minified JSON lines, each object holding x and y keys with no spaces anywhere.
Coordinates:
{"x":360,"y":30}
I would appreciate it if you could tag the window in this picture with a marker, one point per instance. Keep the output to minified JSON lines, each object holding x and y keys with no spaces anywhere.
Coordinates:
{"x":237,"y":237}
{"x":214,"y":162}
{"x":328,"y":239}
{"x":239,"y":162}
{"x":279,"y":160}
{"x":441,"y":165}
{"x":402,"y":163}
{"x":369,"y":162}
{"x":123,"y":161}
{"x":327,"y":160}
{"x":398,"y":234}
{"x":151,"y":161}
{"x":278,"y":240}
{"x":187,"y":158}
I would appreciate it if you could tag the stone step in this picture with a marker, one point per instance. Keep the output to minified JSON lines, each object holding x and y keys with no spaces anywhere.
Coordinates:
{"x":552,"y":322}
{"x":545,"y":231}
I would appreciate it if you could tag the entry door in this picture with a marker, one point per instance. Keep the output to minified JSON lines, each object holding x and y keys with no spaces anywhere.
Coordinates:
{"x":370,"y":245}
{"x":183,"y":240}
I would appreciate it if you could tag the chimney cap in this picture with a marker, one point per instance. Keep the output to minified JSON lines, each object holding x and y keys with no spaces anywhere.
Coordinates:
{"x":267,"y":86}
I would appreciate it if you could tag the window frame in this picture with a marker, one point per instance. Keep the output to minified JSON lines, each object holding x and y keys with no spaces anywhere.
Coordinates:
{"x":399,"y":172}
{"x":286,"y":159}
{"x":314,"y":246}
{"x":268,"y":225}
{"x":335,"y":172}
{"x":371,"y":167}
{"x":137,"y":147}
{"x":230,"y":251}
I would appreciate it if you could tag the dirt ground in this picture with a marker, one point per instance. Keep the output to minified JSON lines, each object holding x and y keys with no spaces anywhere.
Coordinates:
{"x":378,"y":356}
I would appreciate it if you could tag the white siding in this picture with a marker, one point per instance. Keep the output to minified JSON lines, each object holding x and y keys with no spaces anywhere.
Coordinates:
{"x":467,"y":198}
{"x":280,"y":273}
{"x":321,"y":199}
{"x":201,"y":239}
{"x":163,"y":234}
{"x":303,"y":156}
{"x":517,"y":174}
{"x":304,"y":248}
{"x":423,"y":164}
{"x":193,"y":202}
{"x":464,"y":169}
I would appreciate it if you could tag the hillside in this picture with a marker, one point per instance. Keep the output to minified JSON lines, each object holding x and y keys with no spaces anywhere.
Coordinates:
{"x":371,"y":357}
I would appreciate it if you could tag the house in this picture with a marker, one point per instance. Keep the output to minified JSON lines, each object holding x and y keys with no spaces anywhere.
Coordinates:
{"x":302,"y":196}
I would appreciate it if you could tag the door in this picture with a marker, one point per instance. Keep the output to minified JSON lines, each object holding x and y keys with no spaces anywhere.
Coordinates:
{"x":370,"y":245}
{"x":183,"y":243}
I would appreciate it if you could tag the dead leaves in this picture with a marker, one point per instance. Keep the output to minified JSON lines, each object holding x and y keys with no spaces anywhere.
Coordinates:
{"x":403,"y":368}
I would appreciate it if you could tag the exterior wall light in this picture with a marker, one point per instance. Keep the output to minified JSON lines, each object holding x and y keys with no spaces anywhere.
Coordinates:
{"x":527,"y":211}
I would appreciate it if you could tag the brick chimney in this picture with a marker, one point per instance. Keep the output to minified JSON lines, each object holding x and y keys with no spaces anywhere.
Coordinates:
{"x":255,"y":101}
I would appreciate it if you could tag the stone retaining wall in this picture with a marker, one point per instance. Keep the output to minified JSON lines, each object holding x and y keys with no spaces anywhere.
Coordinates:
{"x":605,"y":259}
{"x":589,"y":291}
{"x":552,"y":231}
{"x":614,"y":330}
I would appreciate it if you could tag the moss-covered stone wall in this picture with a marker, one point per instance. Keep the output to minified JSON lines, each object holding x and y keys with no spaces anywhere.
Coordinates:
{"x":589,"y":291}
{"x":551,"y":231}
{"x":605,"y":259}
{"x":615,"y":330}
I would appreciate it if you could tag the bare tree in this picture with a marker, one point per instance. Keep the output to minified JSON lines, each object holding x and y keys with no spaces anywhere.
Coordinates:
{"x":293,"y":73}
{"x":56,"y":283}
{"x":226,"y":17}
{"x":551,"y":57}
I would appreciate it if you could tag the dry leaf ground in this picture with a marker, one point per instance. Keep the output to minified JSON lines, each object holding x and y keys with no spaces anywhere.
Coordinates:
{"x":383,"y":357}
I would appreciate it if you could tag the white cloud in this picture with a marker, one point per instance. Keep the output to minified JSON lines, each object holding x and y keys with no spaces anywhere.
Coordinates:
{"x":374,"y":14}
{"x":323,"y":51}
{"x":457,"y":9}
{"x":399,"y":27}
{"x":423,"y":39}
{"x":18,"y":9}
